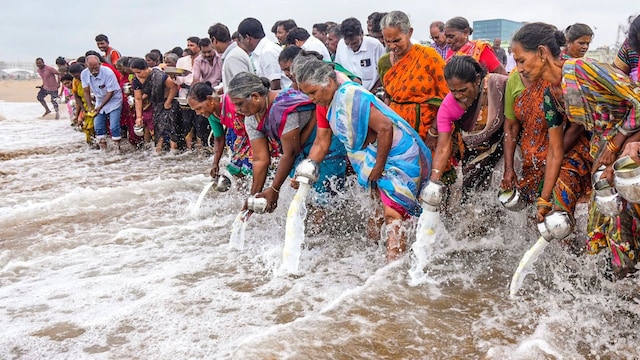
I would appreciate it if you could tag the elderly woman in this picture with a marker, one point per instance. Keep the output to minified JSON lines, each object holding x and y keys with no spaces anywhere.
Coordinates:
{"x":457,"y":32}
{"x":597,"y":97}
{"x":289,"y":117}
{"x":473,"y":110}
{"x":221,"y":112}
{"x":579,"y":38}
{"x":415,"y":82}
{"x":387,"y":155}
{"x":160,"y":90}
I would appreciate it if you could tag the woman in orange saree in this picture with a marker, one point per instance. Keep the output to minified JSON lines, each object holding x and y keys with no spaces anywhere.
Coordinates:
{"x":414,"y":84}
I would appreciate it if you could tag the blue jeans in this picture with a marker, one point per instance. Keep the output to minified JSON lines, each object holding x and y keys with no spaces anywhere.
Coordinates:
{"x":100,"y":124}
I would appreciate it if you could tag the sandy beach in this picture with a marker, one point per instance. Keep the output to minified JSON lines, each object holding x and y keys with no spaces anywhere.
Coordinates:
{"x":19,"y":90}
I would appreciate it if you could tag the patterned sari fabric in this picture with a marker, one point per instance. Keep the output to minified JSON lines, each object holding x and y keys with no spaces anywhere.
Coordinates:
{"x":409,"y":162}
{"x":334,"y":163}
{"x":574,"y":179}
{"x":604,"y":102}
{"x":627,"y":60}
{"x":236,"y":139}
{"x":534,"y":138}
{"x":480,"y":128}
{"x":480,"y":51}
{"x":84,"y":119}
{"x":417,"y":86}
{"x":600,"y":99}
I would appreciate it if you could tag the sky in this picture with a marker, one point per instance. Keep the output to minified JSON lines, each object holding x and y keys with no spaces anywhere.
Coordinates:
{"x":68,"y":28}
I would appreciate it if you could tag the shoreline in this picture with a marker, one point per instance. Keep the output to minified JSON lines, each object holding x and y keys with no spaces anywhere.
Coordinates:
{"x":20,"y":90}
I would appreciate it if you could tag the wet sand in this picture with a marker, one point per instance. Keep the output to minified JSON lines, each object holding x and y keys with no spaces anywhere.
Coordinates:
{"x":19,"y":90}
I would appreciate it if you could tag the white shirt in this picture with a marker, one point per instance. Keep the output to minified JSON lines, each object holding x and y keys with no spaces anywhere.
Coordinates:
{"x":265,"y":60}
{"x":234,"y":61}
{"x":511,"y":63}
{"x":314,"y":44}
{"x":364,"y":62}
{"x":186,"y":63}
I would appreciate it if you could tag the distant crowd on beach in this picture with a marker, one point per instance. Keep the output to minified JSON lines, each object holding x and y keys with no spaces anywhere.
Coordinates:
{"x":370,"y":102}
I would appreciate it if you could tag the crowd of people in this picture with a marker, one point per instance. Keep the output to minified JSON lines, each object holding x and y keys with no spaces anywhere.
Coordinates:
{"x":377,"y":106}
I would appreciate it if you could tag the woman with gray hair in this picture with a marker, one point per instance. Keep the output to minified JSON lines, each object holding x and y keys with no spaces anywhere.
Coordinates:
{"x":414,"y":77}
{"x":387,"y":155}
{"x":289,"y":117}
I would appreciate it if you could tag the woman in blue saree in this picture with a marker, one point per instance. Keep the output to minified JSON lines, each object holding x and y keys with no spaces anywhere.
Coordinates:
{"x":384,"y":150}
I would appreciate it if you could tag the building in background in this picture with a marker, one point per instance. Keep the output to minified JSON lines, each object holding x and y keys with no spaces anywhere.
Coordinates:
{"x":495,"y":28}
{"x":604,"y":54}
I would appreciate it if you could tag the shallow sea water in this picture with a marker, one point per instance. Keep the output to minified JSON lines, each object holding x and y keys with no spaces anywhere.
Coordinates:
{"x":101,"y":257}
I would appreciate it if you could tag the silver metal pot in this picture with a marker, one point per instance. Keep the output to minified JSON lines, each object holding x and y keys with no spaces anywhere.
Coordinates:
{"x":138,"y":130}
{"x":431,"y":195}
{"x":557,"y":225}
{"x":307,"y":171}
{"x":131,"y":100}
{"x":126,"y":89}
{"x":257,"y":205}
{"x":607,"y":199}
{"x":596,"y":175}
{"x":223,"y":183}
{"x":512,"y":199}
{"x":626,"y":176}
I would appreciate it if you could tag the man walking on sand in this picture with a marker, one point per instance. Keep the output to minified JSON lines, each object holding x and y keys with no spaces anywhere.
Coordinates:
{"x":50,"y":85}
{"x":104,"y":85}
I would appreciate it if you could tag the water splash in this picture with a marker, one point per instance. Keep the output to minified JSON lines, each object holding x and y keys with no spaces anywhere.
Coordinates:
{"x":196,"y":208}
{"x":423,"y":246}
{"x":238,"y":229}
{"x":294,"y":231}
{"x":526,"y":265}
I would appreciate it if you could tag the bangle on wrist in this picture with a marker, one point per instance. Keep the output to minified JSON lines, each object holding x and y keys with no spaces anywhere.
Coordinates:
{"x":431,"y":133}
{"x":436,"y":171}
{"x":275,"y":190}
{"x":542,"y":203}
{"x":612,"y":147}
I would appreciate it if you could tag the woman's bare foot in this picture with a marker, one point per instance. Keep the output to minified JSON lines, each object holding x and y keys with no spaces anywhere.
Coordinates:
{"x":46,"y":113}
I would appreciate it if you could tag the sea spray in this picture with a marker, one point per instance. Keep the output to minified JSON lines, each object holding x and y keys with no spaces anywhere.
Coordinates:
{"x":294,"y":230}
{"x":238,"y":229}
{"x":423,"y":246}
{"x":526,"y":265}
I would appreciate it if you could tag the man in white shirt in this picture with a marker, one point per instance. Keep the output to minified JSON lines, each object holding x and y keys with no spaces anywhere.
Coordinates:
{"x":234,"y":59}
{"x":186,"y":62}
{"x":358,"y":53}
{"x":102,"y":82}
{"x":300,"y":37}
{"x":262,"y":52}
{"x":190,"y":120}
